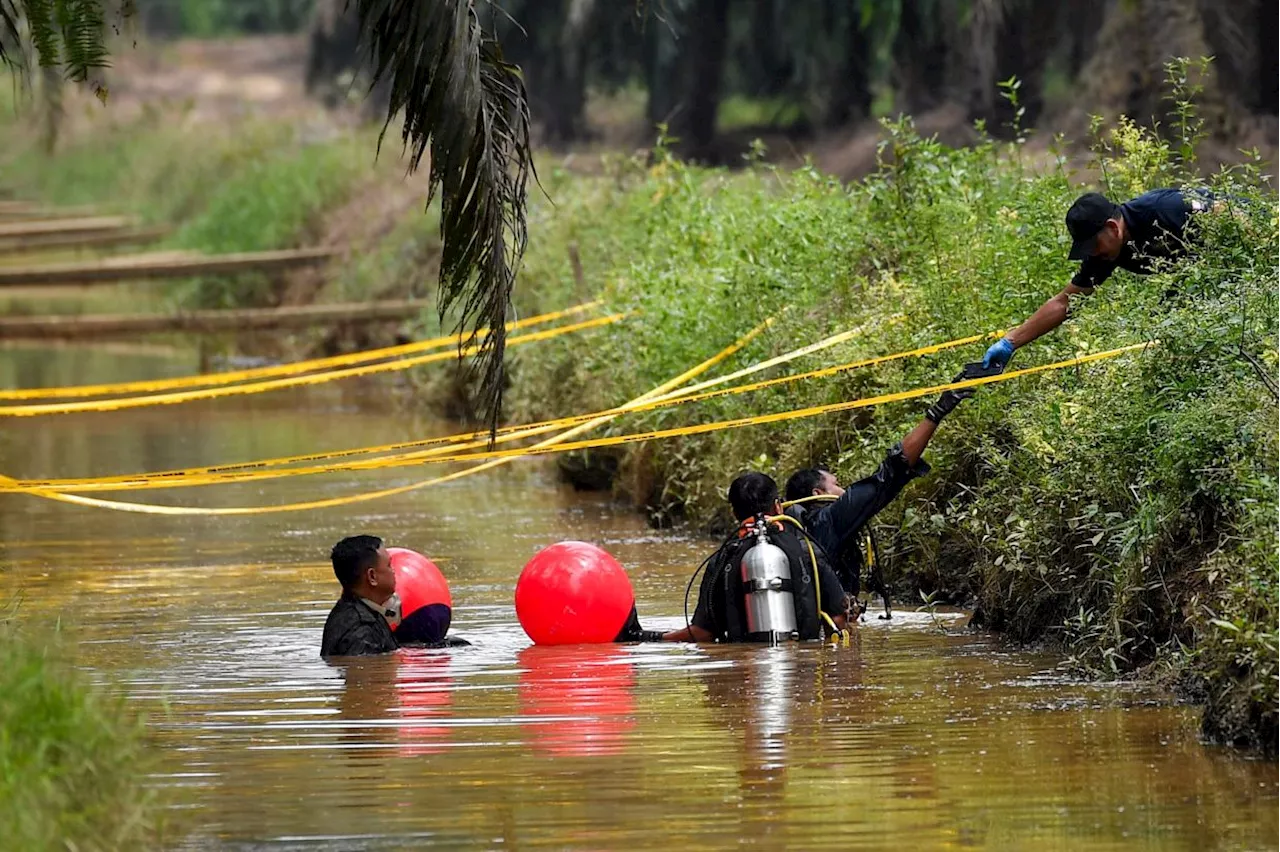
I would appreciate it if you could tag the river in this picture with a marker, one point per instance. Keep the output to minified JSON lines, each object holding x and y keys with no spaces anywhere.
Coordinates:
{"x":920,"y":735}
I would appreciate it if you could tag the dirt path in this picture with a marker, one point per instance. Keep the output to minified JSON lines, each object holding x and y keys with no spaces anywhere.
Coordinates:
{"x":214,"y":80}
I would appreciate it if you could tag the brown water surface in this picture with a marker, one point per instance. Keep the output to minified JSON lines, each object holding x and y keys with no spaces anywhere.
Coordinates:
{"x":912,"y":738}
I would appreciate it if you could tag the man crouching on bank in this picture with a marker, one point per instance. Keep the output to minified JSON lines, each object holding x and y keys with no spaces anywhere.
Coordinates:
{"x":766,"y":582}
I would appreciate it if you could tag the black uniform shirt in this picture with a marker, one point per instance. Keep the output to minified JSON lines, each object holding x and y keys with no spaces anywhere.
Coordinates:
{"x":353,"y":629}
{"x":835,"y":525}
{"x":1156,"y":222}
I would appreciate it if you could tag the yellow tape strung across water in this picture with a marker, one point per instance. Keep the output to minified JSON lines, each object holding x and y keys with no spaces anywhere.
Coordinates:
{"x":558,"y":444}
{"x":120,"y":403}
{"x":179,"y":477}
{"x":219,"y":474}
{"x":151,"y":509}
{"x":277,"y":370}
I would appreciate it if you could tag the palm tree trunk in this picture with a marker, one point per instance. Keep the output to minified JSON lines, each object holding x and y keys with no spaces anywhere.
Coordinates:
{"x":851,"y":89}
{"x":1268,"y":95}
{"x":704,"y":58}
{"x":563,"y":99}
{"x":921,"y":55}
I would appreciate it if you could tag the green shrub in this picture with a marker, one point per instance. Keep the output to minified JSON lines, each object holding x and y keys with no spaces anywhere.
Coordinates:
{"x":72,"y":759}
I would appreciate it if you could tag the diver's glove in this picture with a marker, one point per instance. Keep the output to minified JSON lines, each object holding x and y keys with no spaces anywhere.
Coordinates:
{"x":947,"y":403}
{"x":999,"y":353}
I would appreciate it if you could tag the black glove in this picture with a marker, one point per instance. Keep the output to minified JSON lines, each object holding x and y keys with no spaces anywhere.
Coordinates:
{"x":947,"y":403}
{"x":633,"y":632}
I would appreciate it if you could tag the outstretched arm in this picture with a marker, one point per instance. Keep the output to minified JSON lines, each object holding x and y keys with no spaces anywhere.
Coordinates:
{"x":917,"y":439}
{"x":1047,"y":317}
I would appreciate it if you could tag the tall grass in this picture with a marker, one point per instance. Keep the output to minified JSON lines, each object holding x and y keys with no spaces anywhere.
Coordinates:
{"x":250,"y":185}
{"x":72,"y":759}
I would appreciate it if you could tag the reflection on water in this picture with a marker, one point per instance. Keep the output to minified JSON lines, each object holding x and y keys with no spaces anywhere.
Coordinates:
{"x":577,"y":701}
{"x":907,"y":739}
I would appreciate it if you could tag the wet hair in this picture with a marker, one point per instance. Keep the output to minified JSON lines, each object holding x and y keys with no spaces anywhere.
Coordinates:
{"x":752,"y":494}
{"x":802,"y":482}
{"x":354,"y":555}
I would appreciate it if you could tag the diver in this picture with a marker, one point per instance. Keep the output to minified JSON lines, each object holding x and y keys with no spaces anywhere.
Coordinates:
{"x":836,"y":516}
{"x":767,"y":581}
{"x":361,"y":621}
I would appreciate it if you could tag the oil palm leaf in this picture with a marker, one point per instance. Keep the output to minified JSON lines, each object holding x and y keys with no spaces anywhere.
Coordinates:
{"x":69,"y":34}
{"x":465,"y":105}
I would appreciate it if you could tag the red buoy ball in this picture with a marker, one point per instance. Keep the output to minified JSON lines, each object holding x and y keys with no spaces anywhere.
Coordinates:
{"x":573,"y":592}
{"x":426,"y":606}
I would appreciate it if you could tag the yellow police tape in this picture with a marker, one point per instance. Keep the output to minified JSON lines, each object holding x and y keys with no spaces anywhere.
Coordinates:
{"x":123,"y":402}
{"x":185,"y":476}
{"x":151,"y":509}
{"x":559,"y":443}
{"x":220,"y":473}
{"x":276,"y":370}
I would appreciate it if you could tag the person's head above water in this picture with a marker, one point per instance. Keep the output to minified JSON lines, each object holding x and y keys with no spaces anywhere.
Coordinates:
{"x":1096,"y":226}
{"x":753,"y":494}
{"x":812,"y":481}
{"x":363,"y":567}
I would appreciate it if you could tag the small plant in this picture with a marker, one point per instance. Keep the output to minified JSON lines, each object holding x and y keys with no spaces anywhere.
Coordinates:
{"x":1185,"y":78}
{"x":930,"y":606}
{"x":72,"y":760}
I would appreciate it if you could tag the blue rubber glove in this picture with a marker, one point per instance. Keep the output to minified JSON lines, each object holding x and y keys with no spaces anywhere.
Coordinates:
{"x":999,"y":353}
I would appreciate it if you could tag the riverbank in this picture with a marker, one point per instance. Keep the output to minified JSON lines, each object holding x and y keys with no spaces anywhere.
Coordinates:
{"x":1124,"y":510}
{"x":73,"y":761}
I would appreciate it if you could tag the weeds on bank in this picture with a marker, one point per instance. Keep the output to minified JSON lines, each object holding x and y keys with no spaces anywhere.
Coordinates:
{"x":72,"y":759}
{"x":1125,"y":509}
{"x":253,"y":186}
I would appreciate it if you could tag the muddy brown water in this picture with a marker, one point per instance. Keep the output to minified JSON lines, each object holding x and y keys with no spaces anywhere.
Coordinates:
{"x":919,"y":735}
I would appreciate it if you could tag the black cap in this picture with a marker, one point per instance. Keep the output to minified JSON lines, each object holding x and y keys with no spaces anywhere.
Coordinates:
{"x":1085,"y":219}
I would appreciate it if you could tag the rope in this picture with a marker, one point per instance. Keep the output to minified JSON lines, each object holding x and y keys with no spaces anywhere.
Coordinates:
{"x":277,"y":370}
{"x":121,"y":403}
{"x":560,"y":444}
{"x":151,"y":509}
{"x":212,"y":474}
{"x":635,"y":437}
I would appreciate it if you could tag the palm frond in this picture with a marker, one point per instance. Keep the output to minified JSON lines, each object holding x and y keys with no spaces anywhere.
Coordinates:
{"x":70,"y":34}
{"x":83,"y":31}
{"x":40,"y":16}
{"x":467,"y":106}
{"x":10,"y":34}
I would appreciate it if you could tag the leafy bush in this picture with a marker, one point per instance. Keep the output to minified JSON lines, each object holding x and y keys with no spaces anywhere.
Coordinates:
{"x":72,"y":760}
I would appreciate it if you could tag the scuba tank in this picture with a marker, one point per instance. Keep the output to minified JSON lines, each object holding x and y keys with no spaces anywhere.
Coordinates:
{"x":767,"y":587}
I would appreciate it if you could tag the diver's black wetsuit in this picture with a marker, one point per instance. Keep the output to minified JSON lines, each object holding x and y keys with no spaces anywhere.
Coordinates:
{"x":835,"y":525}
{"x":721,"y":609}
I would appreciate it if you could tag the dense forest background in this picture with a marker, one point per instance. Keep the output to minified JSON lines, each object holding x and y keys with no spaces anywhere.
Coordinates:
{"x":717,"y":72}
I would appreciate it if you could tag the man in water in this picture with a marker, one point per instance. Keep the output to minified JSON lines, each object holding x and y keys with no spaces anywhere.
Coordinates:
{"x":361,"y":621}
{"x":1104,"y":236}
{"x":721,"y":611}
{"x":835,"y":524}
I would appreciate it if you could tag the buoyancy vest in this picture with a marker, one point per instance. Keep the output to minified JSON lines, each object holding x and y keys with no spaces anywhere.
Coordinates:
{"x":727,"y":599}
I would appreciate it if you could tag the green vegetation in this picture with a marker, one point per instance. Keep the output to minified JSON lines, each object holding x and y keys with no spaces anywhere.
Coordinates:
{"x":207,"y":18}
{"x":1124,"y":509}
{"x":251,"y":186}
{"x":72,"y":759}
